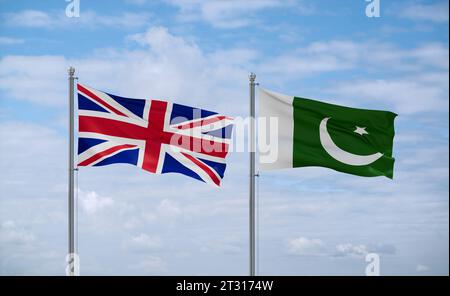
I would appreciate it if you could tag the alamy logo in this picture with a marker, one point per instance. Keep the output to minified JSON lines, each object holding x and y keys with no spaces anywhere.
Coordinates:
{"x":373,"y":268}
{"x":73,"y":8}
{"x":72,"y":264}
{"x":373,"y":8}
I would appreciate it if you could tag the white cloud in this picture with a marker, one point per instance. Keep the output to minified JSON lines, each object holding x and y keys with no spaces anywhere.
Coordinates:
{"x":29,"y":18}
{"x":226,"y":14}
{"x":342,"y":55}
{"x":124,"y":20}
{"x":314,"y":58}
{"x":10,"y":40}
{"x":431,"y":54}
{"x":166,"y":210}
{"x":435,"y":12}
{"x":91,"y":202}
{"x":294,"y":65}
{"x":428,"y":92}
{"x":87,"y":19}
{"x":306,"y":246}
{"x":11,"y":233}
{"x":161,"y":67}
{"x":23,"y":251}
{"x":351,"y":250}
{"x":164,"y":67}
{"x":161,"y":42}
{"x":426,"y":67}
{"x":38,"y":79}
{"x":21,"y":164}
{"x":317,"y":247}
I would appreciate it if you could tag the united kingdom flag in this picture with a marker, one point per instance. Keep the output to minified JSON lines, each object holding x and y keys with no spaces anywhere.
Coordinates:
{"x":157,"y":136}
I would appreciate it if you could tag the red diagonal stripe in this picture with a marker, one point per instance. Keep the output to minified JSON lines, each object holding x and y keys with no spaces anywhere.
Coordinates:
{"x":201,"y":122}
{"x":98,"y":99}
{"x":203,"y":167}
{"x":104,"y":153}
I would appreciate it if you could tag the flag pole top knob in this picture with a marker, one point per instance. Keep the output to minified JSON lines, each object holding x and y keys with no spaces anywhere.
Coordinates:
{"x":252,"y":77}
{"x":71,"y":71}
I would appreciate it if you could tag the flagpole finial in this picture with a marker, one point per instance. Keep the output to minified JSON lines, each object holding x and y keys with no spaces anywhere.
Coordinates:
{"x":71,"y":71}
{"x":252,"y":77}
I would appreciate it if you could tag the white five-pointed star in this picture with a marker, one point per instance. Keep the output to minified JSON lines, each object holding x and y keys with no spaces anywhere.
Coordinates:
{"x":361,"y":130}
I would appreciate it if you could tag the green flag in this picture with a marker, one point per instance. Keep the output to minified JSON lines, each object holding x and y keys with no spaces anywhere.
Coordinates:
{"x":313,"y":133}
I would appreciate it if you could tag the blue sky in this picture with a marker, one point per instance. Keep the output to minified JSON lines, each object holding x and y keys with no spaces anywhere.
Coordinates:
{"x":312,"y":221}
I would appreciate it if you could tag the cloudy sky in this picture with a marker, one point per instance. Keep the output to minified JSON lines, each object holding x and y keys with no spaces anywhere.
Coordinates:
{"x":312,"y":221}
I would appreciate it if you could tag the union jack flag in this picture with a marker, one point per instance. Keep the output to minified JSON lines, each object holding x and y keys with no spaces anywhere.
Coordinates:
{"x":157,"y":136}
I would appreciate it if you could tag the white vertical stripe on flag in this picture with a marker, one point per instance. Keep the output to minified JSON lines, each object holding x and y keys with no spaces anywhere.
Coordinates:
{"x":277,"y":105}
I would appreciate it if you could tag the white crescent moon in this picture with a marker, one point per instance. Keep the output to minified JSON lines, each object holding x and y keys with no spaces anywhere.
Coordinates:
{"x":342,"y":155}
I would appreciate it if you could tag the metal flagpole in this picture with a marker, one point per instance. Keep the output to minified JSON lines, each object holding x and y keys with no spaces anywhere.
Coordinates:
{"x":252,"y":78}
{"x":71,"y":201}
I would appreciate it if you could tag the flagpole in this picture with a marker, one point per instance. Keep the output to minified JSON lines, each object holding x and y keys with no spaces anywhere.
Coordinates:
{"x":252,"y":78}
{"x":71,"y":201}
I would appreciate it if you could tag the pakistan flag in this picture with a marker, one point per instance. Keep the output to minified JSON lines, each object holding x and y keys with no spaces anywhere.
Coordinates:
{"x":312,"y":133}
